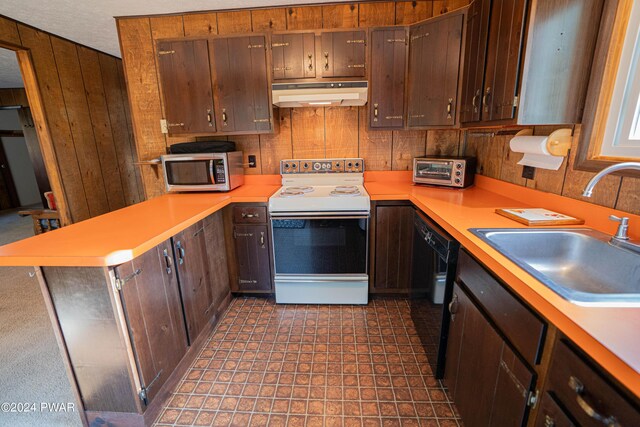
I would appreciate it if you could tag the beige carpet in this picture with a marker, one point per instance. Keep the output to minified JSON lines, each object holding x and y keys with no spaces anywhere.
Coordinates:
{"x":31,"y":369}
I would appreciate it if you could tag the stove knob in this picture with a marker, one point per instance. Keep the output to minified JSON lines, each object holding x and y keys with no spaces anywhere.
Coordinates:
{"x":286,"y":165}
{"x":357,"y":164}
{"x":294,"y":166}
{"x":306,"y":165}
{"x":349,"y":164}
{"x":316,"y":166}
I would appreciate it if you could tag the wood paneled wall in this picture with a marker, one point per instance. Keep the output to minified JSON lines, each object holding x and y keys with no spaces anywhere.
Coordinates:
{"x":78,"y":100}
{"x":304,"y":132}
{"x":11,"y":97}
{"x":496,"y":160}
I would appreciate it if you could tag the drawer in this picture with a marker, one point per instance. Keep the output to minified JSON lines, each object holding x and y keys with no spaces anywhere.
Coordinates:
{"x":249,"y":214}
{"x":585,"y":393}
{"x":524,"y":329}
{"x":551,"y":414}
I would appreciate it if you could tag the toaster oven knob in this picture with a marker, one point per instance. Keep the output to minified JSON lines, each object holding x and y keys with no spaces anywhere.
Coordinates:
{"x":458,"y":181}
{"x":458,"y":165}
{"x":458,"y":173}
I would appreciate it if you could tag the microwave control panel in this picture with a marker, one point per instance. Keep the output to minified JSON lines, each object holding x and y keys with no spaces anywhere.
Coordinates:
{"x":218,"y":171}
{"x":315,"y":166}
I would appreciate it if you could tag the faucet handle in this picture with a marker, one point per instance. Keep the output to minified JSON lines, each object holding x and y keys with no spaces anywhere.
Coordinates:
{"x":621,"y":234}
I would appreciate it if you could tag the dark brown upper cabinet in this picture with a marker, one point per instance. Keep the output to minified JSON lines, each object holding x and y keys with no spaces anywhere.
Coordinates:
{"x":186,"y":86}
{"x":387,"y":81}
{"x":434,"y":62}
{"x":241,"y":84}
{"x":293,"y":56}
{"x":546,"y":83}
{"x":343,"y":53}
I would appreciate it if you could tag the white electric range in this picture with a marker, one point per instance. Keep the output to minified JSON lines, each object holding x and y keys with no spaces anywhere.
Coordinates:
{"x":319,"y":224}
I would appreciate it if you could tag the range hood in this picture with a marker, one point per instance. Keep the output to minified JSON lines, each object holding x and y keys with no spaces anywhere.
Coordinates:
{"x":344,"y":94}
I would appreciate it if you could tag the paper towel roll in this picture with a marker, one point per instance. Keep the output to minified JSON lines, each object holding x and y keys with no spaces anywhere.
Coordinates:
{"x":535,"y":152}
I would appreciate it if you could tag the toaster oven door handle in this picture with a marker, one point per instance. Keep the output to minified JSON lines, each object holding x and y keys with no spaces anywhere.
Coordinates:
{"x":213,"y":179}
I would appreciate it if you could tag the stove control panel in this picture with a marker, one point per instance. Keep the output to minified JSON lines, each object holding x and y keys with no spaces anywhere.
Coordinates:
{"x":310,"y":166}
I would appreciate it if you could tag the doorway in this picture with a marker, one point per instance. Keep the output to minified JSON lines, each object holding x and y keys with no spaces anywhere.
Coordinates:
{"x":23,"y":178}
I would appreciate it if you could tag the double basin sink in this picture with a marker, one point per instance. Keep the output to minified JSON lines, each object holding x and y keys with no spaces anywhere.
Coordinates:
{"x":581,"y":265}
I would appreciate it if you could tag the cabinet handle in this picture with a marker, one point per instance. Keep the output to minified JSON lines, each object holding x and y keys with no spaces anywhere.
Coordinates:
{"x":262,"y":239}
{"x":248,"y":215}
{"x":181,"y":253}
{"x":224,"y":117}
{"x":449,"y":108}
{"x":549,"y":422}
{"x":417,"y":116}
{"x":261,"y":120}
{"x":171,"y":125}
{"x":310,"y":56}
{"x":453,"y":305}
{"x":375,"y":112}
{"x":486,"y":98}
{"x":576,"y":385}
{"x":167,"y":260}
{"x":473,"y":101}
{"x":355,"y":66}
{"x":209,"y":117}
{"x":282,"y":69}
{"x":326,"y":60}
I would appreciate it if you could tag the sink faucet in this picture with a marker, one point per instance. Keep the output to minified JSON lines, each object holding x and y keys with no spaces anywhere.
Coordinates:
{"x":606,"y":171}
{"x":621,"y":238}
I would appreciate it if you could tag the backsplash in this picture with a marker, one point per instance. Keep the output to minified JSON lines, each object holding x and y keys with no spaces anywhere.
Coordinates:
{"x":496,"y":160}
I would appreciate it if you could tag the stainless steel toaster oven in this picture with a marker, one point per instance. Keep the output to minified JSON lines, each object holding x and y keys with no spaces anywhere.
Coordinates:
{"x":446,"y":171}
{"x":203,"y":171}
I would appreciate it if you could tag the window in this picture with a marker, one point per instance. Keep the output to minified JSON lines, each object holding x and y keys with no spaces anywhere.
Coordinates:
{"x":621,"y":139}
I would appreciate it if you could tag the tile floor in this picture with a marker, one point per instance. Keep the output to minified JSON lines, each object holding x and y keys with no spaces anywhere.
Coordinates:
{"x":308,"y":365}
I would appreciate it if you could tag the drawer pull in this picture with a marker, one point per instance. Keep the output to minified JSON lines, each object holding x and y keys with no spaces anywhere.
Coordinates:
{"x":577,"y":386}
{"x":249,"y":215}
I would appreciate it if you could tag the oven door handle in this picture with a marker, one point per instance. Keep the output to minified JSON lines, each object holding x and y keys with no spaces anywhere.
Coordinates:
{"x":213,"y":179}
{"x":275,"y":217}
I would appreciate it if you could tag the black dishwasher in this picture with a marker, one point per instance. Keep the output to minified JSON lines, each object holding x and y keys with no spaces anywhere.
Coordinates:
{"x":435,"y":255}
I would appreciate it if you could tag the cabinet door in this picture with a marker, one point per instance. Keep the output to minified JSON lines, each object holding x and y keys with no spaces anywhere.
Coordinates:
{"x":293,"y":56}
{"x":190,"y":250}
{"x":153,"y":311}
{"x":252,"y":253}
{"x":488,"y":382}
{"x":503,"y":59}
{"x":388,"y":66}
{"x":434,"y":63}
{"x":186,"y":86}
{"x":241,"y":84}
{"x":394,"y":242}
{"x":474,"y":60}
{"x":216,"y":256}
{"x":343,"y":54}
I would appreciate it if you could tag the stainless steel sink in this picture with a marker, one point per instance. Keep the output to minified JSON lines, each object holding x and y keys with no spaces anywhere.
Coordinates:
{"x":578,"y":264}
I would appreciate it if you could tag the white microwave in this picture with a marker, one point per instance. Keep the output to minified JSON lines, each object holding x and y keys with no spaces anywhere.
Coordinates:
{"x":203,"y":171}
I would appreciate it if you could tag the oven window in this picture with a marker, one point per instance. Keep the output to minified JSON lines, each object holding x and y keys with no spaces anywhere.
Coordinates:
{"x":320,"y":246}
{"x":190,"y":172}
{"x":435,"y":170}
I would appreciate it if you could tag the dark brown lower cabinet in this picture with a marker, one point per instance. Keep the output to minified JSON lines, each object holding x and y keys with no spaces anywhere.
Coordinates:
{"x":152,"y":308}
{"x":252,"y":254}
{"x":490,"y":385}
{"x":393,"y":247}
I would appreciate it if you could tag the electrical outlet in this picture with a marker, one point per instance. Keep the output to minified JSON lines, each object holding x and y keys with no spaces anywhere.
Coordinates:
{"x":528,"y":172}
{"x":252,"y":161}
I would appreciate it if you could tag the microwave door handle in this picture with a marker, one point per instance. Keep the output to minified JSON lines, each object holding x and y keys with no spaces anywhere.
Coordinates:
{"x":213,"y":179}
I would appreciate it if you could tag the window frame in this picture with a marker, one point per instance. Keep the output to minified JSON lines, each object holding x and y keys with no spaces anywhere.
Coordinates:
{"x":612,"y":34}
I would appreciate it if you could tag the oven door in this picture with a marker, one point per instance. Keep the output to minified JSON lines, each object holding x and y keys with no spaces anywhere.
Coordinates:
{"x":320,"y":259}
{"x":438,"y":172}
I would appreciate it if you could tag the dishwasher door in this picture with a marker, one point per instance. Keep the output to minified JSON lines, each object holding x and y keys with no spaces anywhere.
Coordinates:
{"x":434,"y":260}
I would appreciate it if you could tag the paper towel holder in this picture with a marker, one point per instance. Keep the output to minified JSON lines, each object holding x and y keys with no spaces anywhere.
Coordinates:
{"x":559,"y":142}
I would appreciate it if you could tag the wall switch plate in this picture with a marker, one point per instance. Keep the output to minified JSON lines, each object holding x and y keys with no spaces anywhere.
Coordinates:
{"x":528,"y":172}
{"x":252,"y":161}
